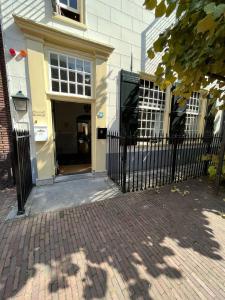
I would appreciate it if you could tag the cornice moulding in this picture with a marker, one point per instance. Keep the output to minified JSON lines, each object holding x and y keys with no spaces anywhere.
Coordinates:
{"x":47,"y":34}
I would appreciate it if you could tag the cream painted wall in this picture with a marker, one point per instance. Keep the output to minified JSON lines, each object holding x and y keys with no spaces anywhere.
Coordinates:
{"x":40,"y":103}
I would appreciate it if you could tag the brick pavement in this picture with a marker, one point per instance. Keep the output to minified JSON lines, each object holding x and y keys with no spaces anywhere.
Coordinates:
{"x":7,"y":201}
{"x":144,"y":245}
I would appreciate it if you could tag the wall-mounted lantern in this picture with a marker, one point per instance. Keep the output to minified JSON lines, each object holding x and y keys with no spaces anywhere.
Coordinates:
{"x":20,"y":101}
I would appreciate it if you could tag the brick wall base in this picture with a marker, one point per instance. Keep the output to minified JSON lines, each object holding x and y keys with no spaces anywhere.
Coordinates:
{"x":6,"y":178}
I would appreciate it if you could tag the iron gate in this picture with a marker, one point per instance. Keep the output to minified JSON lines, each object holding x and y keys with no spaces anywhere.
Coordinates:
{"x":136,"y":163}
{"x":22,"y":167}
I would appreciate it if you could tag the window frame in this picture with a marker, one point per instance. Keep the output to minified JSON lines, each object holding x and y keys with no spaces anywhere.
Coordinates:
{"x":76,"y":57}
{"x":150,"y":109}
{"x":193,"y":112}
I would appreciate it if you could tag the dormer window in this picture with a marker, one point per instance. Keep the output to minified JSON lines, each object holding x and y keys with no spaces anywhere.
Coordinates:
{"x":69,"y":9}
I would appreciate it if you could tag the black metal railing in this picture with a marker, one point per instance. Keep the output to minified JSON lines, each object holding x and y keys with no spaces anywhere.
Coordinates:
{"x":22,"y":167}
{"x":138,"y":163}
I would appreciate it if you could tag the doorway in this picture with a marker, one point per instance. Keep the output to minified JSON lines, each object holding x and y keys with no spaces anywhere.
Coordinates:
{"x":72,"y":124}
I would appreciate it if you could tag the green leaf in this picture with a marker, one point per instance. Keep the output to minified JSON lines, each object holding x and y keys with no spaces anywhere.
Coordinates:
{"x":206,"y":24}
{"x":158,"y":46}
{"x":192,"y":47}
{"x":212,"y":171}
{"x":151,"y":54}
{"x":165,"y":57}
{"x":150,"y":4}
{"x":218,"y":11}
{"x":182,"y":102}
{"x":170,"y":8}
{"x":160,"y":9}
{"x":164,"y":84}
{"x":170,"y":77}
{"x":209,"y":8}
{"x":159,"y":71}
{"x":181,"y":8}
{"x":178,"y":68}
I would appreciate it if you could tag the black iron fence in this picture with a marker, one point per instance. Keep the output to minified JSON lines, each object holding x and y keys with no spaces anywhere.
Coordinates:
{"x":137,"y":163}
{"x":22,"y":167}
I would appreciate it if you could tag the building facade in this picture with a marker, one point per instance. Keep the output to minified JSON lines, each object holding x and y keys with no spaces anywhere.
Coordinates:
{"x":66,"y":56}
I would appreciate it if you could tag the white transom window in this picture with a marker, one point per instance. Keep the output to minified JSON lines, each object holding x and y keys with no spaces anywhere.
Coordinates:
{"x":70,"y":75}
{"x":151,"y":106}
{"x":192,"y":114}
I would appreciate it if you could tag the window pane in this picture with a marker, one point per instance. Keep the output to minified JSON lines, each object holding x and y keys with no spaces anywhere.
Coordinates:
{"x":55,"y":73}
{"x":63,"y":74}
{"x":87,"y":79}
{"x":73,"y":4}
{"x":146,"y":93}
{"x":80,"y":89}
{"x":71,"y":63}
{"x":63,"y":61}
{"x":54,"y":59}
{"x":64,"y":87}
{"x":72,"y":88}
{"x":63,"y":1}
{"x":79,"y":78}
{"x":87,"y":90}
{"x":72,"y":76}
{"x":55,"y":86}
{"x":87,"y":66}
{"x":79,"y":65}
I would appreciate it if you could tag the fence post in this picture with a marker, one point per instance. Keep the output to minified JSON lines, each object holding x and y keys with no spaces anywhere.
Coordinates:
{"x":220,"y":164}
{"x":174,"y":157}
{"x":124,"y":159}
{"x":17,"y":174}
{"x":208,"y":150}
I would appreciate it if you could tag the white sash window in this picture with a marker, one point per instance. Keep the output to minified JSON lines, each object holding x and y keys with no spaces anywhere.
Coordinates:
{"x":72,"y":5}
{"x":192,"y":114}
{"x":70,"y":75}
{"x":152,"y":107}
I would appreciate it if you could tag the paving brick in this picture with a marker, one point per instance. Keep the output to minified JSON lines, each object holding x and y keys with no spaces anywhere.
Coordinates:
{"x":138,"y":246}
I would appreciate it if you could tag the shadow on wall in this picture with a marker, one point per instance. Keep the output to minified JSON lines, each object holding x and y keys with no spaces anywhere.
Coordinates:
{"x":123,"y":242}
{"x":39,"y":11}
{"x":148,"y":37}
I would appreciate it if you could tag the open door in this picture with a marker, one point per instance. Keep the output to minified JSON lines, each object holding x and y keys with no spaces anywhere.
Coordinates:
{"x":72,"y":123}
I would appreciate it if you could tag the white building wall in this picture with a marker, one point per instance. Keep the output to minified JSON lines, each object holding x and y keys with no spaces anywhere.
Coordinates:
{"x":124,"y":24}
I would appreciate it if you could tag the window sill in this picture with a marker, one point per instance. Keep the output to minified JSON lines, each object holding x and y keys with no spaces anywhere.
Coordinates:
{"x":68,"y":21}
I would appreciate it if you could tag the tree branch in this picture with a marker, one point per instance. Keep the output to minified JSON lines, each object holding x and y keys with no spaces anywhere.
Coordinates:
{"x":216,"y":76}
